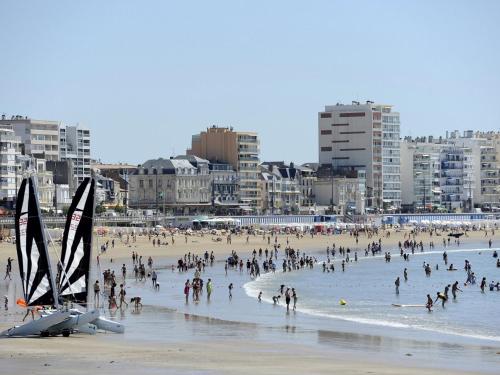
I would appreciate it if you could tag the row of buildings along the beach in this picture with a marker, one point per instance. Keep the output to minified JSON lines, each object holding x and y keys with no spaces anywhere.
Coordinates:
{"x":363,"y":166}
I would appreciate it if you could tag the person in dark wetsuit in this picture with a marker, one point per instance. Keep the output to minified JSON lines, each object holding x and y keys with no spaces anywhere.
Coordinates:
{"x":454,"y":289}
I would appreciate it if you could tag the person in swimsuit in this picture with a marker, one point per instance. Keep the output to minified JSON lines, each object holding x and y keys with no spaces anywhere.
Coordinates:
{"x":209,"y":288}
{"x":187,"y":286}
{"x":430,"y":303}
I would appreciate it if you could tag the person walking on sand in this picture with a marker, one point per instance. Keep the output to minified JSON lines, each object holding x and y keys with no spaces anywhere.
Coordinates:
{"x":97,"y":292}
{"x":7,"y":273}
{"x":123,"y":293}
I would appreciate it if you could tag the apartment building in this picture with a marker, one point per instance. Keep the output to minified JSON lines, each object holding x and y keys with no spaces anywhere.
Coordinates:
{"x":364,"y":137}
{"x":40,"y":138}
{"x":75,"y":146}
{"x":237,"y":148}
{"x":10,"y":149}
{"x":174,"y":184}
{"x":420,"y":175}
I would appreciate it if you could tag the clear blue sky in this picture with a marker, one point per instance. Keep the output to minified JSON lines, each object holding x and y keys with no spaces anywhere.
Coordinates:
{"x":146,"y":75}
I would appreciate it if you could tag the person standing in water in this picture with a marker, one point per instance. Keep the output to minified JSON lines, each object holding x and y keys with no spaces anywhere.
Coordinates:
{"x":187,"y":286}
{"x":442,"y":297}
{"x":483,"y":284}
{"x":287,"y":299}
{"x":405,"y":274}
{"x":294,"y":296}
{"x":397,"y":285}
{"x":209,"y":288}
{"x":429,"y":303}
{"x":260,"y":297}
{"x":454,"y":290}
{"x":230,"y":287}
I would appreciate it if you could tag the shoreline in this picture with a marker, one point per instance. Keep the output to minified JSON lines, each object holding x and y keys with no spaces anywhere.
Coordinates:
{"x":251,"y":346}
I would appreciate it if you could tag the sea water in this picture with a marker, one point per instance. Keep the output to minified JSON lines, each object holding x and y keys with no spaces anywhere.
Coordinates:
{"x":368,"y":321}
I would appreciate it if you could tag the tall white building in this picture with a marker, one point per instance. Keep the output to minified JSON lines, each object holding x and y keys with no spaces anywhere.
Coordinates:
{"x":75,"y":146}
{"x":364,"y":137}
{"x":39,"y":137}
{"x":9,"y":152}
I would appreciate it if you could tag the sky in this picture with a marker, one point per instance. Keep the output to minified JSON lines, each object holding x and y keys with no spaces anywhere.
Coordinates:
{"x":145,"y":76}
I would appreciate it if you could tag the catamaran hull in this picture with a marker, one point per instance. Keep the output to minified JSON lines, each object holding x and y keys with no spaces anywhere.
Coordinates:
{"x":109,"y":325}
{"x":89,"y":329}
{"x":37,"y":327}
{"x":74,"y":322}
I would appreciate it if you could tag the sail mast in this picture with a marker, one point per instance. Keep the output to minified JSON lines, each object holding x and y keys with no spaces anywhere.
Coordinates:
{"x":42,"y":225}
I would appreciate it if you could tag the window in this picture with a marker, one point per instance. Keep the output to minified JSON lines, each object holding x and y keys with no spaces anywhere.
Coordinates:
{"x":150,"y":183}
{"x":340,"y":141}
{"x":328,"y":148}
{"x":352,"y":114}
{"x":354,"y":132}
{"x":353,"y":149}
{"x":324,"y":132}
{"x":141,"y":183}
{"x":340,"y":124}
{"x":340,"y":158}
{"x":325,"y":115}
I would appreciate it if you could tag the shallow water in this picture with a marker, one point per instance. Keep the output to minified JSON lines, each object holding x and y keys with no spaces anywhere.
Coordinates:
{"x":463,"y":335}
{"x":368,"y":287}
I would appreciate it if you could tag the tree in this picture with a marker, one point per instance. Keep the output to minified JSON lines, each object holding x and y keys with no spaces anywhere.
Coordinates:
{"x":100,"y":209}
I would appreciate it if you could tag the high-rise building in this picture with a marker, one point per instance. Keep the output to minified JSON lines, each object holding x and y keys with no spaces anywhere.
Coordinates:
{"x":39,"y":137}
{"x":363,"y":137}
{"x":9,"y":152}
{"x":240,"y":149}
{"x":75,"y":146}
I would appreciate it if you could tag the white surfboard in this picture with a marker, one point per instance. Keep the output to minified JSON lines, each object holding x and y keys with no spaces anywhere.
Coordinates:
{"x":398,"y":305}
{"x":36,"y":327}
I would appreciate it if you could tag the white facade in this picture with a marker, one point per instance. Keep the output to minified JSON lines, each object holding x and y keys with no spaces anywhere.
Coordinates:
{"x":40,"y":137}
{"x":9,"y":152}
{"x":364,"y":137}
{"x":75,"y":146}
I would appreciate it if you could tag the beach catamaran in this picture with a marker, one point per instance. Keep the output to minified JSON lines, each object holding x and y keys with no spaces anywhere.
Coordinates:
{"x":74,"y":266}
{"x":34,"y":264}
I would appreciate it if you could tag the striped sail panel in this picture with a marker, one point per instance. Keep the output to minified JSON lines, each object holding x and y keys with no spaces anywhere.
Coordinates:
{"x":77,"y":245}
{"x":34,"y":265}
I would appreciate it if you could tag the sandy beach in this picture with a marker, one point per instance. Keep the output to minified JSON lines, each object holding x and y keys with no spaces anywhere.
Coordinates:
{"x":194,"y":354}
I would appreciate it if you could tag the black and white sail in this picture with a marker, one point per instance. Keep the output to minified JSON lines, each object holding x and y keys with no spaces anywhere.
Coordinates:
{"x":33,"y":258}
{"x":77,"y":245}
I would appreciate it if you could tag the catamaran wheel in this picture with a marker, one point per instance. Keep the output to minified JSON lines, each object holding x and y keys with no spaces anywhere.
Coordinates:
{"x":66,"y":332}
{"x":44,"y":334}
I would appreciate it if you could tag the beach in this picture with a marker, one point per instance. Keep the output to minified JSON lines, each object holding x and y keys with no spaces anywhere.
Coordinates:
{"x":168,"y":336}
